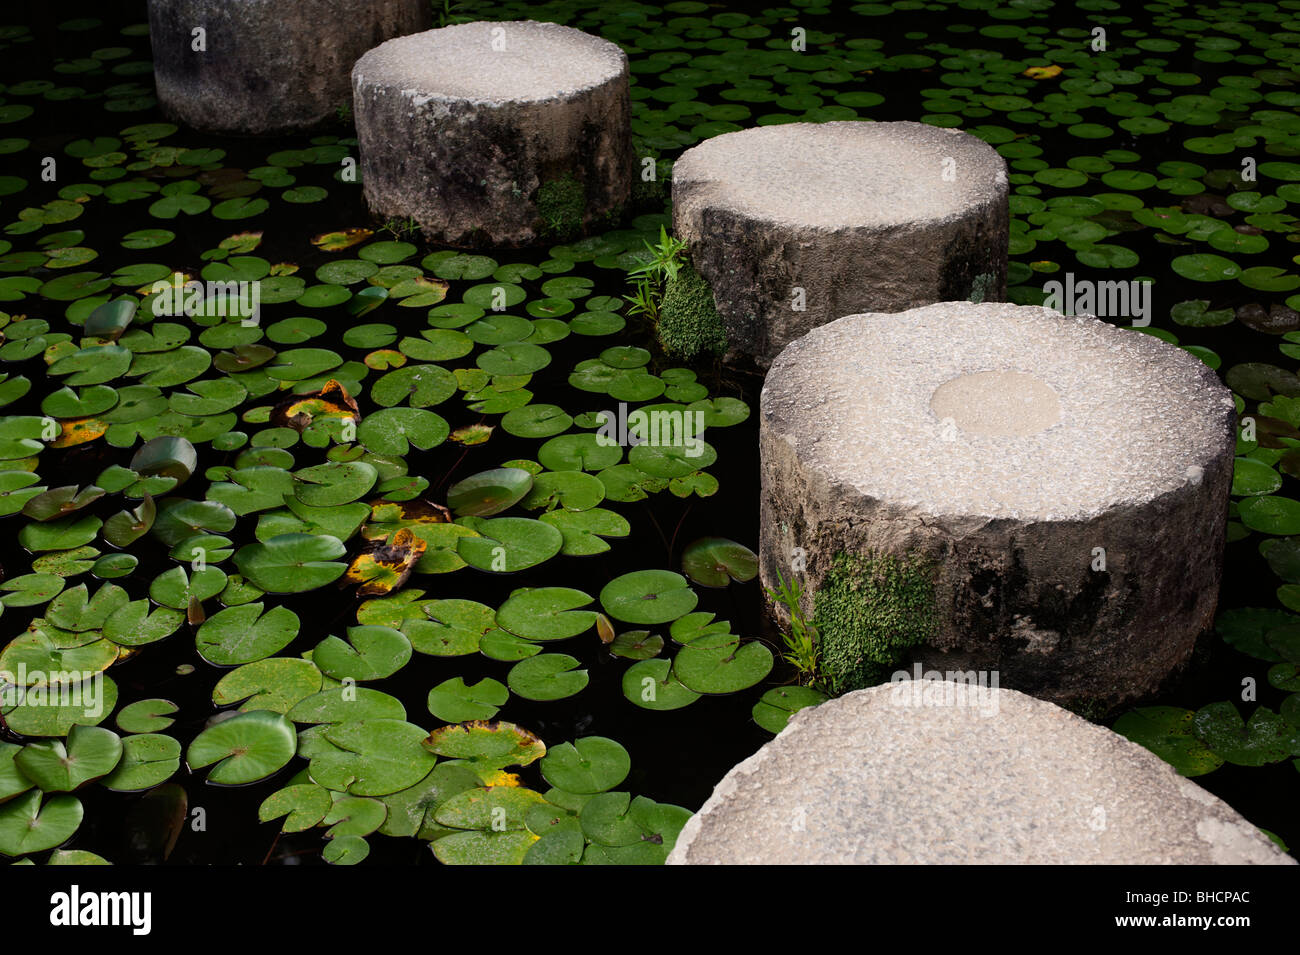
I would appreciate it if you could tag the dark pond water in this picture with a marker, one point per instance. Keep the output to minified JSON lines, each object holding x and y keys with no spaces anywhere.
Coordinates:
{"x":1086,"y":178}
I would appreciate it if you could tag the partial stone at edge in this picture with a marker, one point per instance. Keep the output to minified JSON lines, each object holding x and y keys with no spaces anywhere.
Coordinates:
{"x":997,"y":487}
{"x":997,"y":778}
{"x":495,"y":134}
{"x":861,"y":216}
{"x":270,"y":66}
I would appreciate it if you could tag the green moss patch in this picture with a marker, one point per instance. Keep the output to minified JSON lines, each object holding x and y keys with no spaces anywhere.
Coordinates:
{"x":689,"y":324}
{"x":869,"y":611}
{"x":561,"y":203}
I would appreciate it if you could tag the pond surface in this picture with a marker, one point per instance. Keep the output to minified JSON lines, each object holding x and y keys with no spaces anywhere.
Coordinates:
{"x":1126,"y":163}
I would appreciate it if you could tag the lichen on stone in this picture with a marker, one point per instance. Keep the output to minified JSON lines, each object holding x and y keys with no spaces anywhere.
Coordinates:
{"x":689,"y":325}
{"x":869,"y":610}
{"x":562,"y":204}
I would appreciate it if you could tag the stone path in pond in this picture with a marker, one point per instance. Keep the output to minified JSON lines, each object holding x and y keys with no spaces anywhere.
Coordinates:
{"x":1002,"y":488}
{"x":879,"y":777}
{"x":980,"y":487}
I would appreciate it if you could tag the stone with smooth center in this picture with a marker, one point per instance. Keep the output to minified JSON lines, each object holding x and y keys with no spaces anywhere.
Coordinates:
{"x":999,"y":487}
{"x":997,"y":403}
{"x":991,"y":777}
{"x":495,"y":134}
{"x":795,"y":225}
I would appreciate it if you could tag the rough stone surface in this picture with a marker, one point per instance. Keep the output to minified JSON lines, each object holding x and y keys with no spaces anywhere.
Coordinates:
{"x":1000,"y":778}
{"x":270,"y":66}
{"x":495,"y":134}
{"x":862,"y":216}
{"x":996,"y":447}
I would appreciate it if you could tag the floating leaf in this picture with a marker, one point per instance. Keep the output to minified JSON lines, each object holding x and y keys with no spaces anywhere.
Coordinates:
{"x":547,"y":676}
{"x":715,"y":561}
{"x":455,"y":702}
{"x":246,"y":747}
{"x":546,"y":613}
{"x":244,"y":634}
{"x":648,"y":597}
{"x":1167,"y":732}
{"x":292,"y":563}
{"x":489,"y":492}
{"x":721,"y":663}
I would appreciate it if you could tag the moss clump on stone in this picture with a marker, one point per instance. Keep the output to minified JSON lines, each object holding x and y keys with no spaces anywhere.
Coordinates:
{"x":562,"y":203}
{"x":869,"y":610}
{"x":689,"y":325}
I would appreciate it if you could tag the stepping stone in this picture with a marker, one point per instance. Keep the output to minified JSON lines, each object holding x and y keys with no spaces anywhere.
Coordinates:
{"x":973,"y":777}
{"x":998,"y":487}
{"x":495,"y":134}
{"x":795,"y":225}
{"x":267,"y":66}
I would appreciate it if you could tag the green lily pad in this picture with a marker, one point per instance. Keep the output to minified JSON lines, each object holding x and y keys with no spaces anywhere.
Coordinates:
{"x":651,"y":685}
{"x":369,"y":653}
{"x":292,"y":563}
{"x":148,"y":760}
{"x":276,"y":684}
{"x":716,"y":561}
{"x":1167,"y":732}
{"x":27,"y":826}
{"x":396,"y":430}
{"x":489,"y":492}
{"x":509,"y":544}
{"x":371,"y":757}
{"x":89,"y":753}
{"x":303,"y":805}
{"x":778,"y":704}
{"x":245,"y":748}
{"x":592,"y":764}
{"x":486,"y":745}
{"x":455,"y":702}
{"x":547,"y":676}
{"x":648,"y":597}
{"x":546,"y":613}
{"x":146,"y":716}
{"x":721,"y":663}
{"x":1266,"y":738}
{"x":244,"y":634}
{"x":637,"y":645}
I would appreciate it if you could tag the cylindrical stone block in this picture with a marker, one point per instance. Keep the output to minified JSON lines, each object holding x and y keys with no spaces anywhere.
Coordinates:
{"x":1001,"y":488}
{"x":973,"y":776}
{"x":262,"y":67}
{"x":796,"y":225}
{"x":495,"y":134}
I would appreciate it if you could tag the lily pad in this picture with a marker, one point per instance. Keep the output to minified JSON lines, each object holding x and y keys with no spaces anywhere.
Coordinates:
{"x":716,"y":561}
{"x":721,"y":663}
{"x":648,"y":597}
{"x":455,"y":702}
{"x":547,"y":676}
{"x":245,"y":748}
{"x":592,"y":764}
